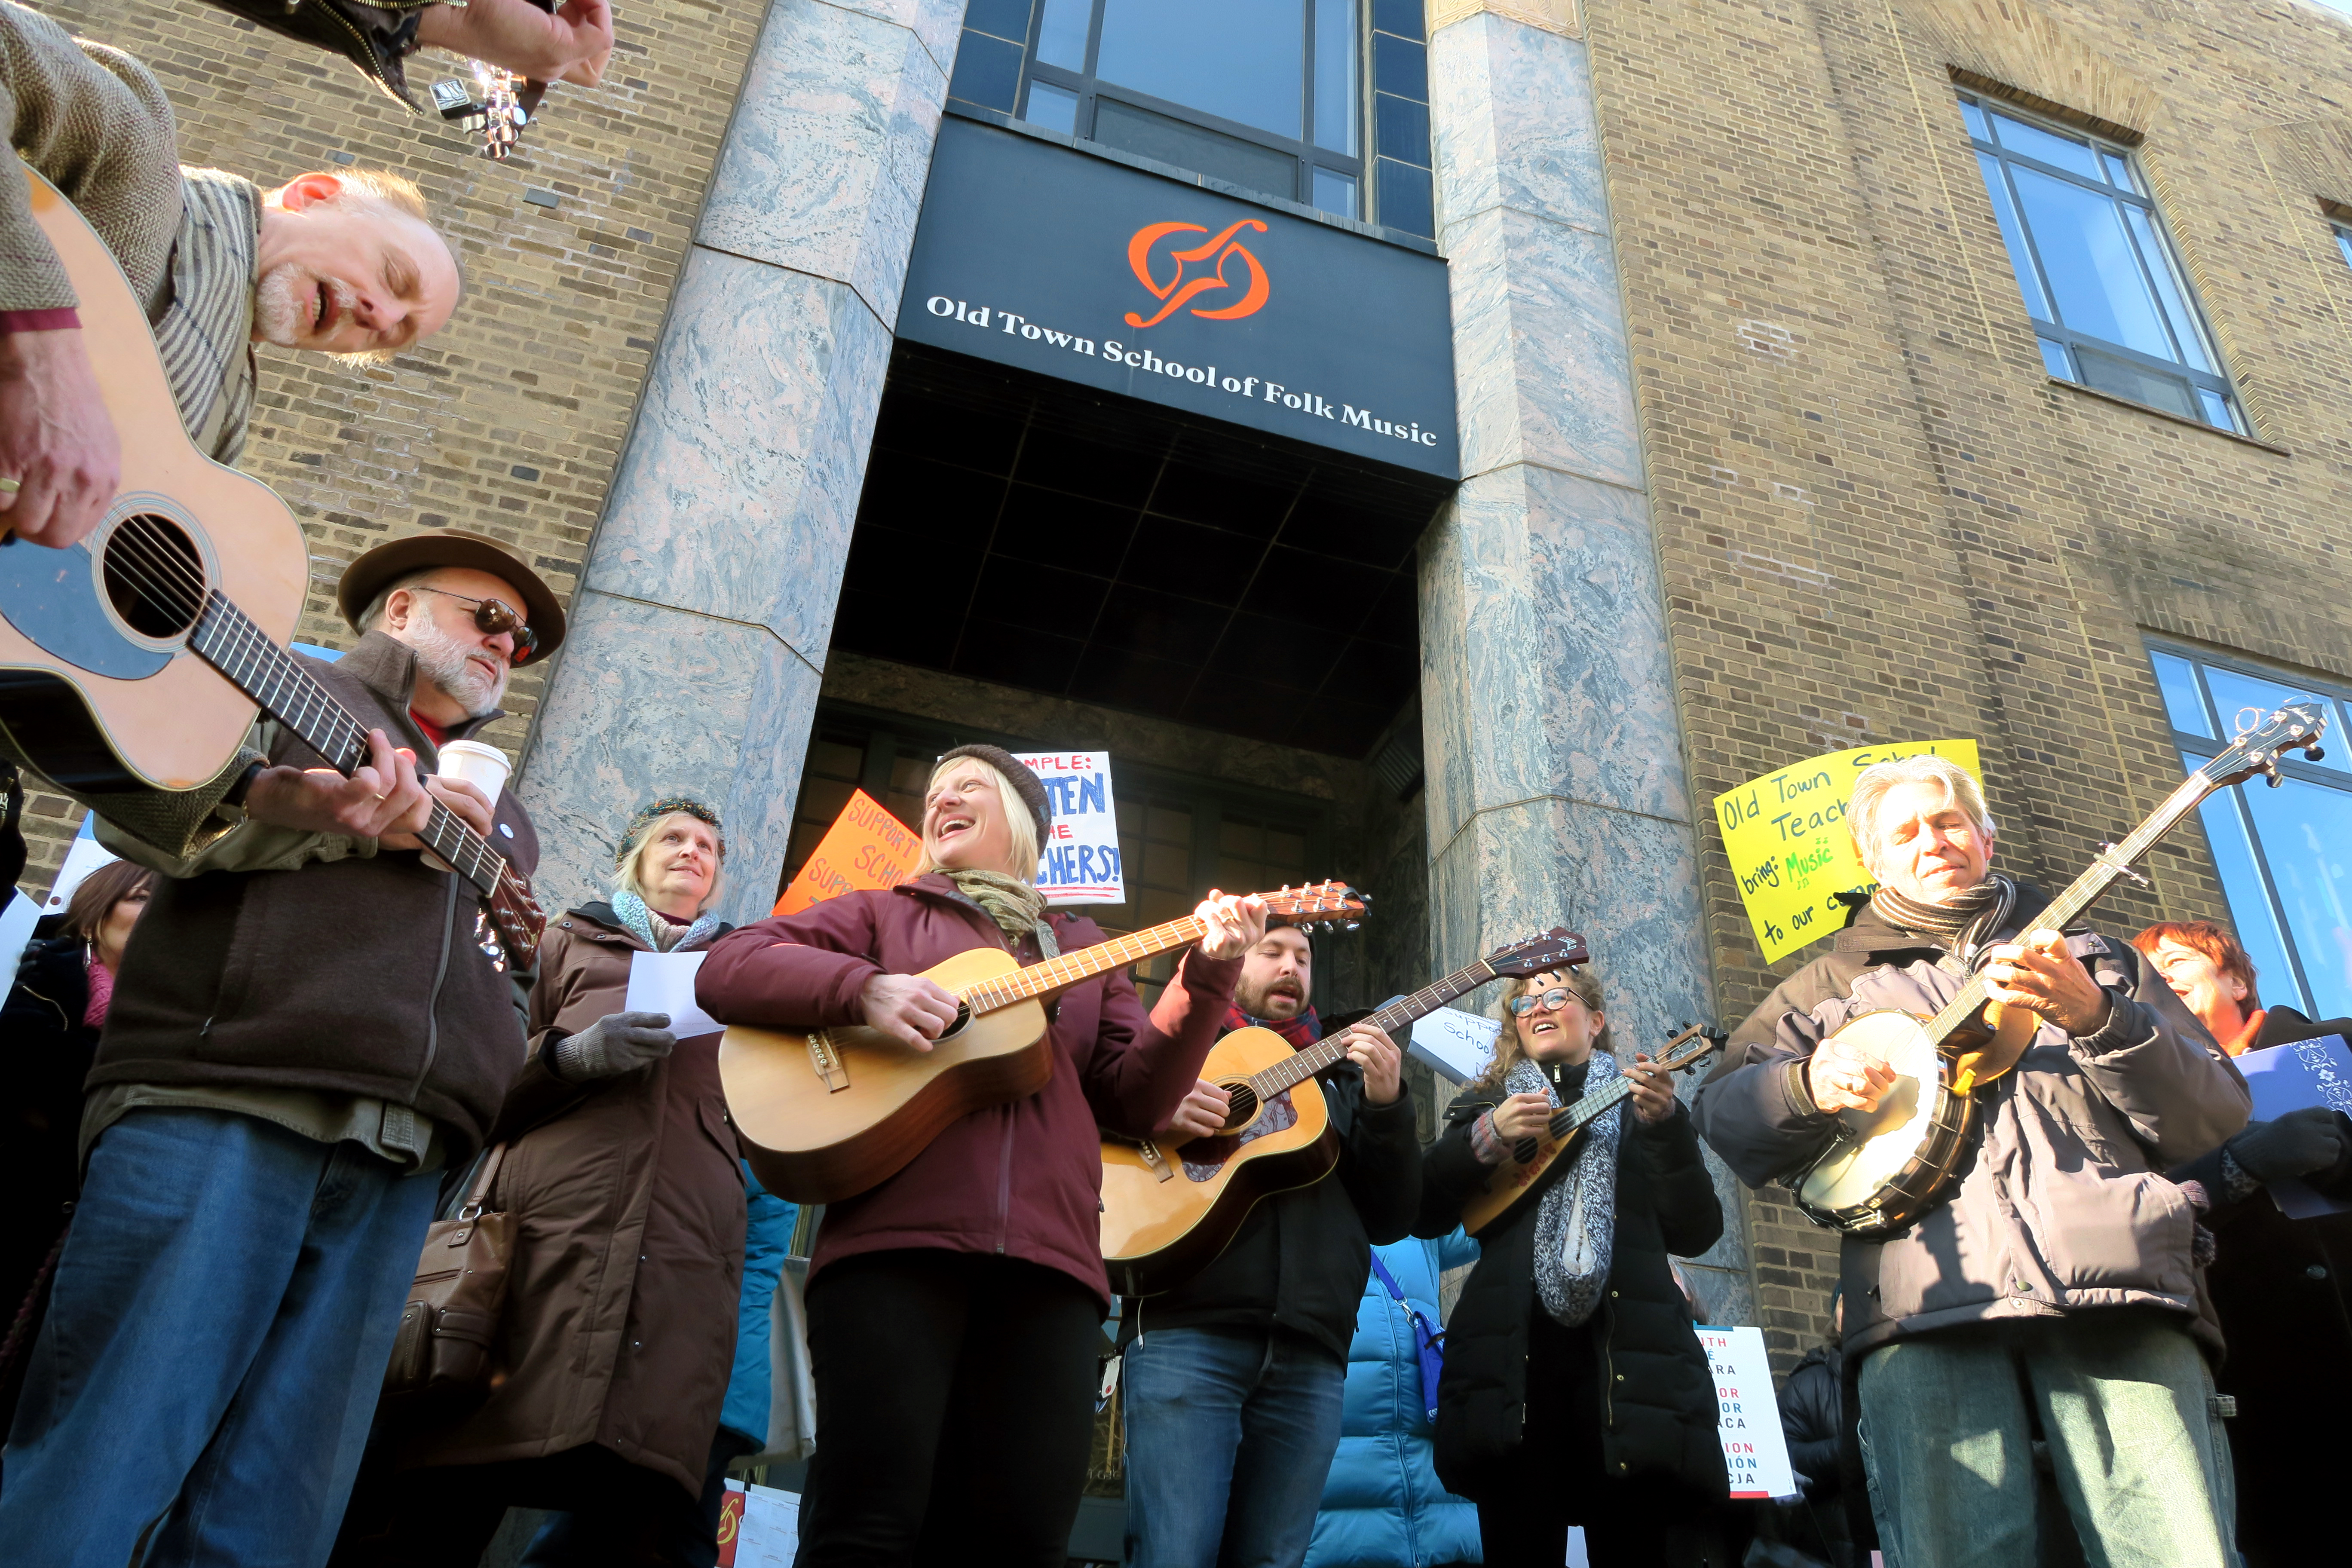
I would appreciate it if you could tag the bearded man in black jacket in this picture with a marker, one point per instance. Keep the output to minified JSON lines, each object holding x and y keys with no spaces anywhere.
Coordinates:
{"x":1234,"y":1379}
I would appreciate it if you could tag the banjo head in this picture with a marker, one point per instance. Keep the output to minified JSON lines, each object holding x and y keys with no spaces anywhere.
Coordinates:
{"x":1880,"y":1149}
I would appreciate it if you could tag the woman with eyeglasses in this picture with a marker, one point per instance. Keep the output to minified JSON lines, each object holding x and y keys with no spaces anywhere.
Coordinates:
{"x":1575,"y":1390}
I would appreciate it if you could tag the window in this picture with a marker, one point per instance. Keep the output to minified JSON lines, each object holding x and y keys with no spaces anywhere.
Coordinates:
{"x":2285,"y":854}
{"x":2344,"y":241}
{"x":1178,"y":835}
{"x":1269,"y":95}
{"x":2100,"y":280}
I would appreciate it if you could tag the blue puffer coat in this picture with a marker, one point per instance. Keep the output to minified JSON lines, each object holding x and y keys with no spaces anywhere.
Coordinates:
{"x":1382,"y":1503}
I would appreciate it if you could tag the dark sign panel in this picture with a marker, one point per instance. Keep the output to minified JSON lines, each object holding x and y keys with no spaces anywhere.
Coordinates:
{"x":1033,"y":255}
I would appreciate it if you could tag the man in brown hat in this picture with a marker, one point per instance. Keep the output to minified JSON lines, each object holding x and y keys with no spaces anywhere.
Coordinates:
{"x":311,"y":1024}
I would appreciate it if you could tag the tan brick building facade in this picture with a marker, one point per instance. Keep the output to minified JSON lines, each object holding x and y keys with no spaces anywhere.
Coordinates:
{"x":509,"y":422}
{"x":1879,"y":518}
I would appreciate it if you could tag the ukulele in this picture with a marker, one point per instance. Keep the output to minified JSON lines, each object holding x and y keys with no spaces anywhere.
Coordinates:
{"x":824,"y":1115}
{"x":1159,"y":1232}
{"x":1888,"y":1166}
{"x":113,"y":651}
{"x":1522,"y":1176}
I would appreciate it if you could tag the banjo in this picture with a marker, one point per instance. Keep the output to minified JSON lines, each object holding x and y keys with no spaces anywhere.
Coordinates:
{"x":1888,"y":1166}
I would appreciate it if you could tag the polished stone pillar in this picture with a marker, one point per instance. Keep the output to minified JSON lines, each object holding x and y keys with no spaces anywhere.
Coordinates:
{"x":698,"y":631}
{"x":1557,"y":792}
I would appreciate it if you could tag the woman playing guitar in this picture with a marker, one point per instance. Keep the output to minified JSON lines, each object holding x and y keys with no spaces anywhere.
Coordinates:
{"x":955,"y":1309}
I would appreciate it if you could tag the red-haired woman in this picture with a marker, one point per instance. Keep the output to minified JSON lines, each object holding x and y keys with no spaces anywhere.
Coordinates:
{"x":2280,"y":1286}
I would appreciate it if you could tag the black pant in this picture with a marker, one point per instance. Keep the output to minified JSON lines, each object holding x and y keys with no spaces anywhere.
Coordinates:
{"x":445,"y":1515}
{"x":954,"y":1406}
{"x":1556,"y":1478}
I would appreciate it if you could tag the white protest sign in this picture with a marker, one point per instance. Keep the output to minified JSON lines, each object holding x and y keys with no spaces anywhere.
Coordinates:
{"x":664,"y":983}
{"x":767,"y":1533}
{"x":1453,"y":1044}
{"x":1078,"y":863}
{"x":1747,"y":1418}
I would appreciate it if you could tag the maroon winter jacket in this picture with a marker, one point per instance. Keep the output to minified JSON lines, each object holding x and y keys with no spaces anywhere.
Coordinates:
{"x":1023,"y":1180}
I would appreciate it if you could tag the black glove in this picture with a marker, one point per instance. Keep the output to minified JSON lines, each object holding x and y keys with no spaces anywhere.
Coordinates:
{"x":613,"y":1044}
{"x":2295,"y":1145}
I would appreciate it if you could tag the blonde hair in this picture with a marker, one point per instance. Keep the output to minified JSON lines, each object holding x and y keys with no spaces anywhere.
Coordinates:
{"x":397,"y":192}
{"x":1508,"y":1053}
{"x":1873,"y":784}
{"x":1023,"y":826}
{"x":631,"y":856}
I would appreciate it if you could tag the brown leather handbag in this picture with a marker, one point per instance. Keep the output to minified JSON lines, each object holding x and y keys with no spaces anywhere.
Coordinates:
{"x":442,"y":1352}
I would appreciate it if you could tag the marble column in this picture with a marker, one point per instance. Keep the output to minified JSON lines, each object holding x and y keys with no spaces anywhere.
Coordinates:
{"x":699,"y":630}
{"x":1557,"y":792}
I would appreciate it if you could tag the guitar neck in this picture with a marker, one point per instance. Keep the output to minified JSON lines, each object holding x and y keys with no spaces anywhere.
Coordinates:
{"x":2083,"y":892}
{"x":226,"y":638}
{"x":1396,"y":1016}
{"x":1039,"y":980}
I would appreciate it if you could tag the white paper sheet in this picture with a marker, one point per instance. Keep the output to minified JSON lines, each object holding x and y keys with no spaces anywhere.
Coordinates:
{"x":1453,"y":1042}
{"x":664,"y":983}
{"x":769,"y":1536}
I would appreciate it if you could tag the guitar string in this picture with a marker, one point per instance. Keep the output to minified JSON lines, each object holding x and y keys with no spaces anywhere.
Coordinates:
{"x":156,"y":570}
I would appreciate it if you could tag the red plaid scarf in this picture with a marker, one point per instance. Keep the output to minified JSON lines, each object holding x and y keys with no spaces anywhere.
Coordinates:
{"x":1301,"y":1032}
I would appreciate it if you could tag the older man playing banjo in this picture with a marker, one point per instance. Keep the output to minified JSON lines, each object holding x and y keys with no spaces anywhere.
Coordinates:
{"x":2054,"y":1276}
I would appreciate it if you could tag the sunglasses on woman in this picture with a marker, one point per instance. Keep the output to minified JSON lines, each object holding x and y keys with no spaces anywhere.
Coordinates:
{"x":492,"y":616}
{"x":1551,"y":1001}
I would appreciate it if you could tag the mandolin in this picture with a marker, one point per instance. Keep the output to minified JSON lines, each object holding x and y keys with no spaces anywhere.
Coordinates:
{"x":126,"y":659}
{"x":1889,"y":1165}
{"x":1158,"y":1231}
{"x":826,"y":1114}
{"x":1522,"y":1176}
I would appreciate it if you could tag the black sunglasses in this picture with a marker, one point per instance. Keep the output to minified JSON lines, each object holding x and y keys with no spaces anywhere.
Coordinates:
{"x":492,"y":616}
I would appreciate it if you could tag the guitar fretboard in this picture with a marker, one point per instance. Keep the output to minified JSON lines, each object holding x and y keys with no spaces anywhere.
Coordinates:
{"x":1589,"y":1109}
{"x":226,"y":640}
{"x":1061,"y":973}
{"x":1314,"y":1058}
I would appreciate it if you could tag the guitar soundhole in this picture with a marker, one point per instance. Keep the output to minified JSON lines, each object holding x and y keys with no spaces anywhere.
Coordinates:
{"x":154,"y":576}
{"x":1243,"y":1106}
{"x":963,"y":1017}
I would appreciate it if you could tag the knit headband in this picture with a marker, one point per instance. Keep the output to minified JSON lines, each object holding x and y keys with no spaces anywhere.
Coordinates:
{"x":669,"y":805}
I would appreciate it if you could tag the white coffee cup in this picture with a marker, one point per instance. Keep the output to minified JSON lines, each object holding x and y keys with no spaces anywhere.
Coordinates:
{"x":483,"y":767}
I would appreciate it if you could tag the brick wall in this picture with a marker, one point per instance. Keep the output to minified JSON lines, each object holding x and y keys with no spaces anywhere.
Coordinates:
{"x":509,"y":422}
{"x":1879,"y":519}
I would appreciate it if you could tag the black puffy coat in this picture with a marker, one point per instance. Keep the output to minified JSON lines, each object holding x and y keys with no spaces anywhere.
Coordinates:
{"x":1660,"y":1415}
{"x":44,"y":1054}
{"x":1812,"y":1418}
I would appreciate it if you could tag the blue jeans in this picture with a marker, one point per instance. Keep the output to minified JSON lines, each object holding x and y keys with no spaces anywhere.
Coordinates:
{"x":1230,"y":1434}
{"x":216,"y":1343}
{"x":2123,"y":1397}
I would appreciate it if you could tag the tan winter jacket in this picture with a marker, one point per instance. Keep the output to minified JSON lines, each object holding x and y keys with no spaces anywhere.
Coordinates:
{"x":2062,"y":1205}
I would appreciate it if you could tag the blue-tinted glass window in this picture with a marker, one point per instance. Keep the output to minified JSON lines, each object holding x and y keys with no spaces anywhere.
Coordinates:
{"x":2283,"y":854}
{"x":1271,"y":96}
{"x":2344,"y":243}
{"x":2095,"y":270}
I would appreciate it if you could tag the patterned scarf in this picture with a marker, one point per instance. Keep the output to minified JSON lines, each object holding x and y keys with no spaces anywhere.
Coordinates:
{"x":1017,"y":907}
{"x":1576,"y":1224}
{"x":660,"y":934}
{"x":1961,"y":924}
{"x":1301,"y":1032}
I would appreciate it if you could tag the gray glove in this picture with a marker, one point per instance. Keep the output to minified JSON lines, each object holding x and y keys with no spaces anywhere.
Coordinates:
{"x":2295,"y":1145}
{"x":613,"y":1044}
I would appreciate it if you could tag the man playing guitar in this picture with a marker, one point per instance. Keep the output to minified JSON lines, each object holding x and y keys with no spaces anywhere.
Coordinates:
{"x":1232,"y":1381}
{"x":306,"y":1029}
{"x":2055,"y":1278}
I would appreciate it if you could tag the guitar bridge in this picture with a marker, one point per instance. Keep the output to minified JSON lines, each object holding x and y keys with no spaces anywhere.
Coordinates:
{"x":1155,"y":1160}
{"x":827,"y":1062}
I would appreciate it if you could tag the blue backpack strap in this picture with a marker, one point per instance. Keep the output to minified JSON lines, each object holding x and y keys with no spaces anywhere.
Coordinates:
{"x":1429,"y":1341}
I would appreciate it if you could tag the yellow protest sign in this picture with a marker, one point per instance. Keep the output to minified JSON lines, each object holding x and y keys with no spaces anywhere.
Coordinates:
{"x":1787,"y":839}
{"x":865,"y":847}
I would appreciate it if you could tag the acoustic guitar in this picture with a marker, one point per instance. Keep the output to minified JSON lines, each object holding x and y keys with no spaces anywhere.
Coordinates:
{"x":127,"y":660}
{"x":1522,"y":1176}
{"x":1159,"y":1231}
{"x":827,"y":1114}
{"x":1890,"y":1166}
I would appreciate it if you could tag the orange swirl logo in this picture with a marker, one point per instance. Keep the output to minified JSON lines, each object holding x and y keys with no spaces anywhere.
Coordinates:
{"x":1231,"y":265}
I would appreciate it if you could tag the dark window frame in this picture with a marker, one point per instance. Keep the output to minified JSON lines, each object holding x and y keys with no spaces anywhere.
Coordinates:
{"x":2063,"y":344}
{"x":2196,"y":749}
{"x":1400,"y":178}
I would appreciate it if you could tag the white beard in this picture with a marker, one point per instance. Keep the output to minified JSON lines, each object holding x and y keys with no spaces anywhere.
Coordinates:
{"x":442,"y":659}
{"x":283,"y":300}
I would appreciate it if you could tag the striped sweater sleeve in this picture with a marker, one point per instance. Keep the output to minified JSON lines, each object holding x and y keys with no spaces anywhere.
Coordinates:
{"x":98,"y":126}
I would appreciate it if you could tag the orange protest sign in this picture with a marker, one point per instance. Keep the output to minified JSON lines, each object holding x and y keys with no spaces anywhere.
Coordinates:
{"x":865,"y":847}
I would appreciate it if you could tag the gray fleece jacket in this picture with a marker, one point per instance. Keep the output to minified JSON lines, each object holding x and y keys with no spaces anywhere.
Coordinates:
{"x":2063,"y":1204}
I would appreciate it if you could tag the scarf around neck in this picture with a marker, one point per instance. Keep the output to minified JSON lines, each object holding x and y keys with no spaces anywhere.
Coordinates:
{"x":1301,"y":1032}
{"x":1575,"y":1222}
{"x":1017,"y":907}
{"x":658,"y":933}
{"x":1961,"y":924}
